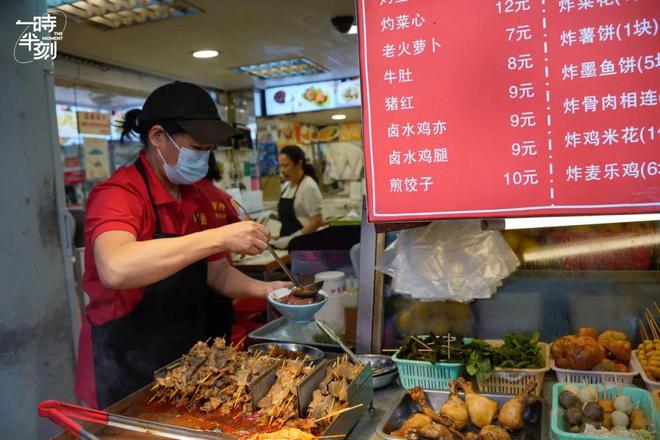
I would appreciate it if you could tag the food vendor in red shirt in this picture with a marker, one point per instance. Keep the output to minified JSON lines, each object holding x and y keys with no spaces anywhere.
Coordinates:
{"x":152,"y":246}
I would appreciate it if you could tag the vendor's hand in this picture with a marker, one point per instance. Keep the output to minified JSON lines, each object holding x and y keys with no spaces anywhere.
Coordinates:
{"x":246,"y":237}
{"x":274,"y":285}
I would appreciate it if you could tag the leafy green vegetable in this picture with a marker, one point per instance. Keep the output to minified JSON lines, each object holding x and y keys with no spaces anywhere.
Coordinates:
{"x":433,"y":348}
{"x":479,"y":357}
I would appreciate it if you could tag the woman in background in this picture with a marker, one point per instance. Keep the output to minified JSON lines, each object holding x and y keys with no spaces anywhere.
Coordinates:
{"x":299,"y":207}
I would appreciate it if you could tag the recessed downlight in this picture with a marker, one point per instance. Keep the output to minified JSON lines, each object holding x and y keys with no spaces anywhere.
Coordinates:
{"x":339,"y":117}
{"x":205,"y":53}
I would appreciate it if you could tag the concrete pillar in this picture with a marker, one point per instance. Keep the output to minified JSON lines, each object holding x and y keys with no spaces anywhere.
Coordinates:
{"x":36,"y":344}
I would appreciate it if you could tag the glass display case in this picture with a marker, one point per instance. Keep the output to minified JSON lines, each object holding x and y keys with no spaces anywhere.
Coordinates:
{"x":601,"y":276}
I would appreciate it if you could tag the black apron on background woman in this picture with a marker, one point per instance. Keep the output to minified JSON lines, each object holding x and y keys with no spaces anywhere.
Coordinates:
{"x":287,"y":214}
{"x":163,"y":326}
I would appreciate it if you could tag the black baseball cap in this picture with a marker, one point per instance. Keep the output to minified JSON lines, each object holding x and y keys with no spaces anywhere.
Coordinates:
{"x":191,"y":107}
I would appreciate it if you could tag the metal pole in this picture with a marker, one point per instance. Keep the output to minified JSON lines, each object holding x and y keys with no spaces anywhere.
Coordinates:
{"x":367,"y":281}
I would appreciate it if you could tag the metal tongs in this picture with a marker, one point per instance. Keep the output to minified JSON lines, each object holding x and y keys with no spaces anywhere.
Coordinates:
{"x":335,"y":337}
{"x":306,"y":291}
{"x":63,"y":414}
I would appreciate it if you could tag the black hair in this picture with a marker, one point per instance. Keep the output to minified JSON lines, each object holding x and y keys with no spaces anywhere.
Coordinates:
{"x":213,"y":172}
{"x":297,"y":155}
{"x":131,"y":125}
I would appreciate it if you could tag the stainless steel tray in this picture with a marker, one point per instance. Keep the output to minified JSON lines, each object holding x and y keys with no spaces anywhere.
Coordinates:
{"x":281,"y":330}
{"x":312,"y":353}
{"x":536,"y":425}
{"x":360,"y":391}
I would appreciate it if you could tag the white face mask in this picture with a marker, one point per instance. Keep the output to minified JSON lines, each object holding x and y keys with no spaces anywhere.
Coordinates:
{"x":191,"y":166}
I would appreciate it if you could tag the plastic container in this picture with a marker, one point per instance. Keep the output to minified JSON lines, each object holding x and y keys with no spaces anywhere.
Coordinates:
{"x":426,"y":374}
{"x":650,"y":384}
{"x":641,"y":399}
{"x":514,"y":380}
{"x":593,"y":377}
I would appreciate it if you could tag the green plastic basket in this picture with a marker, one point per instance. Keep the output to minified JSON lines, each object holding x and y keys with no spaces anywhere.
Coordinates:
{"x":642,"y":399}
{"x":427,"y":375}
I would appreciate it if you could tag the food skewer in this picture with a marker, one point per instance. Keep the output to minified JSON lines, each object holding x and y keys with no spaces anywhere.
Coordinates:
{"x":650,"y":314}
{"x":652,"y":324}
{"x":336,"y":413}
{"x":649,"y":317}
{"x":236,"y":346}
{"x":642,"y":330}
{"x":420,"y":342}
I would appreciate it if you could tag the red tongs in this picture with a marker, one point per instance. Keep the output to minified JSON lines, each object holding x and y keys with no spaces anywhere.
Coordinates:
{"x":63,"y":414}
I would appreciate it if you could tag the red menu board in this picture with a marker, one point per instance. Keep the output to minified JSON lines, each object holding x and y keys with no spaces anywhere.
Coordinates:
{"x":500,"y":108}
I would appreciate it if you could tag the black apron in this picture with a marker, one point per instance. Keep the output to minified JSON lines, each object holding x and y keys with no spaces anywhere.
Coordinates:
{"x":218,"y":315}
{"x":164,"y":325}
{"x":287,"y":214}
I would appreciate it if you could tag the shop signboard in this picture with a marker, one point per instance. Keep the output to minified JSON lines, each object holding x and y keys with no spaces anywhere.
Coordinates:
{"x":74,"y":177}
{"x":93,"y":123}
{"x":97,"y":160}
{"x":505,"y":108}
{"x":73,"y":172}
{"x":324,"y":95}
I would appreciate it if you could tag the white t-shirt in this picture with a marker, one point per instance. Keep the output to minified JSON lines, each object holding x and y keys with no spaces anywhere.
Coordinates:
{"x":308,"y":202}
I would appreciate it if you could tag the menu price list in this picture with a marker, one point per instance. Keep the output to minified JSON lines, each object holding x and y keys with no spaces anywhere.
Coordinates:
{"x":510,"y":107}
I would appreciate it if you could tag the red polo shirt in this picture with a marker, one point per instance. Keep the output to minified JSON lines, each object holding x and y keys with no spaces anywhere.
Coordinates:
{"x":223,"y":210}
{"x":121,"y":203}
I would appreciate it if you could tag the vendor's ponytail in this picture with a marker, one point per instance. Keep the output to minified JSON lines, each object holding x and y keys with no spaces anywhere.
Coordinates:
{"x":297,"y":155}
{"x":129,"y":126}
{"x":132,"y":125}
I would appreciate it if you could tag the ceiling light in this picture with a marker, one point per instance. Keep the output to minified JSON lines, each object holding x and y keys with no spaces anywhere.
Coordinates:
{"x":352,"y":30}
{"x":282,"y":69}
{"x":115,"y":14}
{"x":205,"y":53}
{"x":338,"y":117}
